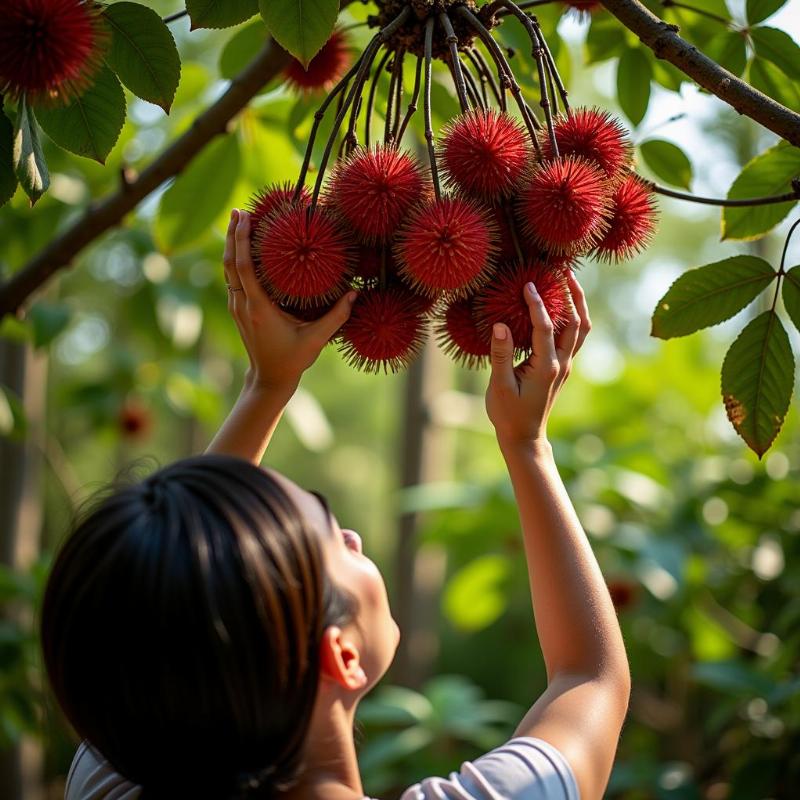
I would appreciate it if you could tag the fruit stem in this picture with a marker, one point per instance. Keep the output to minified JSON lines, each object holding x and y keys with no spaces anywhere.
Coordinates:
{"x":782,"y":271}
{"x":412,"y":105}
{"x":502,"y":12}
{"x":427,"y":106}
{"x":354,"y":95}
{"x":395,"y":98}
{"x":371,"y":97}
{"x":543,"y":69}
{"x":473,"y":92}
{"x":398,"y":103}
{"x":507,"y":76}
{"x":390,"y":95}
{"x":455,"y":61}
{"x":551,"y":64}
{"x":512,"y":226}
{"x":481,"y":77}
{"x":728,"y":202}
{"x":479,"y":61}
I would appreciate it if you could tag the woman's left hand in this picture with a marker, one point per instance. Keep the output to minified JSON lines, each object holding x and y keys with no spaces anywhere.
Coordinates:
{"x":280,"y":347}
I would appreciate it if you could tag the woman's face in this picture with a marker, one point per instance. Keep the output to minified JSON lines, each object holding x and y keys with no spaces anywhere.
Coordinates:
{"x":373,"y":629}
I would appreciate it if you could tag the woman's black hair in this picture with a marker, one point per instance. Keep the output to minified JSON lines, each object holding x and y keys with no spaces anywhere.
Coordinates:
{"x":181,"y":629}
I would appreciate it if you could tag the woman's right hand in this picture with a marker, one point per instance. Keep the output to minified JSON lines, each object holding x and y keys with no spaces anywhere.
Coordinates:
{"x":519,"y":399}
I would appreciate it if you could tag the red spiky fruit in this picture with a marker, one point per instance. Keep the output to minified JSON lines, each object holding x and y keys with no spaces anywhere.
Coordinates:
{"x":325,"y":70}
{"x":447,"y":245}
{"x":375,"y":189}
{"x":134,"y":419}
{"x":303,"y":258}
{"x":485,"y":153}
{"x":595,"y":135}
{"x":565,"y":204}
{"x":624,"y":593}
{"x":583,"y":7}
{"x":50,"y":50}
{"x":460,"y":334}
{"x":385,"y":331}
{"x":503,"y":300}
{"x":632,"y":222}
{"x":269,"y":199}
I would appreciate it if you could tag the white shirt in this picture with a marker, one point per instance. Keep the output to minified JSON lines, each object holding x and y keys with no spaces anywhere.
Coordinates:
{"x":522,"y":769}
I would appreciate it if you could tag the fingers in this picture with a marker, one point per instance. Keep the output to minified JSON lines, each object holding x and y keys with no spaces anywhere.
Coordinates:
{"x":229,"y":254}
{"x":582,"y":309}
{"x":567,"y":339}
{"x":544,"y":348}
{"x":502,"y":358}
{"x":245,"y":272}
{"x":325,"y":327}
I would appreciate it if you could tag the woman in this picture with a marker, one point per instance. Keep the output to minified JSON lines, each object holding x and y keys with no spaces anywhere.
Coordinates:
{"x":211,"y":630}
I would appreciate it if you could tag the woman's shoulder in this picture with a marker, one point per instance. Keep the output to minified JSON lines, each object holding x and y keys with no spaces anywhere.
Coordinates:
{"x":522,"y":769}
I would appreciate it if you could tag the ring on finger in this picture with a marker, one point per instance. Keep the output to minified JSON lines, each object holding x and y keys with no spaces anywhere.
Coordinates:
{"x":235,"y":288}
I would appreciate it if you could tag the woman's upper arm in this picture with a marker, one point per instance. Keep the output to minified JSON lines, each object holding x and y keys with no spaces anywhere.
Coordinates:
{"x":582,"y":718}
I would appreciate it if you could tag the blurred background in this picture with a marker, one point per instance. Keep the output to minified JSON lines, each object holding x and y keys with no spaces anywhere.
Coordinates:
{"x":130,"y":360}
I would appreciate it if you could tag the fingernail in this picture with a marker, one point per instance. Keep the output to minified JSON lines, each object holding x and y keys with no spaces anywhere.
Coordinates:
{"x":234,"y":213}
{"x":352,"y":297}
{"x":499,"y":331}
{"x":531,"y":288}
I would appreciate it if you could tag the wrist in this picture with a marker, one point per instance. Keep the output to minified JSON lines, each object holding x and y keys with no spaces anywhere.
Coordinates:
{"x":260,"y":386}
{"x":537,"y":447}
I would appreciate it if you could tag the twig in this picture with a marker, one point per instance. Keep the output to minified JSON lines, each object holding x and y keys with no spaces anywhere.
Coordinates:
{"x":176,"y":15}
{"x":398,"y":102}
{"x":412,"y":104}
{"x":485,"y":73}
{"x":458,"y":76}
{"x":371,"y":97}
{"x":794,"y":195}
{"x":427,"y":107}
{"x":664,"y":41}
{"x":701,"y":12}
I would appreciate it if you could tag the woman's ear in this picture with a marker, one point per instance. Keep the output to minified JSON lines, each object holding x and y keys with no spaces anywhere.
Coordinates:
{"x":340,"y":661}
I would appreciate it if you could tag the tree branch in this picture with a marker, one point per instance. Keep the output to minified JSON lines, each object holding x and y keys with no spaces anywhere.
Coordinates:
{"x":664,"y":41}
{"x":108,"y":213}
{"x":772,"y":199}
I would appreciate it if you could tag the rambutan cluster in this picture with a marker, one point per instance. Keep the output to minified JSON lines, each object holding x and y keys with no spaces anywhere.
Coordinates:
{"x":511,"y":213}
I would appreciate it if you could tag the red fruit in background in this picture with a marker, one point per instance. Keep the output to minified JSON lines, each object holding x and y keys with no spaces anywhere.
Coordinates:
{"x":583,"y":6}
{"x":385,"y":331}
{"x":325,"y":69}
{"x":303,"y":258}
{"x":632,"y":222}
{"x":503,"y":300}
{"x":506,"y":249}
{"x":624,"y":593}
{"x":485,"y":153}
{"x":375,"y":189}
{"x":565,"y":204}
{"x":595,"y":135}
{"x":461,"y":336}
{"x":447,"y":245}
{"x":134,"y":420}
{"x":50,"y":50}
{"x":268,"y":200}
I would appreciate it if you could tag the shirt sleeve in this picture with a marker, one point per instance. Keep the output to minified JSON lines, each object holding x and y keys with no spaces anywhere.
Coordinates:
{"x":522,"y":769}
{"x":91,"y":777}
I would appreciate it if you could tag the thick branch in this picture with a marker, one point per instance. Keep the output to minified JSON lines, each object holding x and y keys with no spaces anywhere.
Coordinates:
{"x":108,"y":213}
{"x":664,"y":41}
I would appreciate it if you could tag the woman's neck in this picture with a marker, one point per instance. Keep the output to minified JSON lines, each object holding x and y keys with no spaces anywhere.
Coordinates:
{"x":331,"y":763}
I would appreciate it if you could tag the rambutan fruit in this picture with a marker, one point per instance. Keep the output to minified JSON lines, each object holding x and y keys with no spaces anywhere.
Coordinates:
{"x":269,"y":199}
{"x":447,"y":245}
{"x":565,"y":204}
{"x":303,"y":258}
{"x":375,"y":189}
{"x":385,"y":331}
{"x":583,"y":7}
{"x":632,"y":221}
{"x":134,"y":419}
{"x":460,"y":334}
{"x":485,"y":153}
{"x":50,"y":50}
{"x":624,"y":593}
{"x":503,"y":300}
{"x":325,"y":70}
{"x":595,"y":135}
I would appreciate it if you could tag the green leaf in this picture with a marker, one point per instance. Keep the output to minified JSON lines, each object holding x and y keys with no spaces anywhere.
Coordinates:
{"x":221,"y":13}
{"x":791,"y":295}
{"x":769,"y":173}
{"x":758,"y":10}
{"x":779,"y":48}
{"x":143,"y":53}
{"x":13,"y":423}
{"x":668,"y":162}
{"x":603,"y":39}
{"x":474,"y":597}
{"x":300,"y":27}
{"x":633,"y":83}
{"x":241,"y":49}
{"x":90,"y":125}
{"x":757,"y":381}
{"x":47,"y":321}
{"x":728,"y":49}
{"x":767,"y":78}
{"x":190,"y":206}
{"x":709,"y":295}
{"x":8,"y":179}
{"x":27,"y":155}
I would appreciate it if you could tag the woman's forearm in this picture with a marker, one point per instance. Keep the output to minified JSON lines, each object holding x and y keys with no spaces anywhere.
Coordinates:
{"x":252,"y":421}
{"x":575,"y":618}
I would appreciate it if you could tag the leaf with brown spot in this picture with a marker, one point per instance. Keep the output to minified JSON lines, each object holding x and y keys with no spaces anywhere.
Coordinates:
{"x":757,"y":381}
